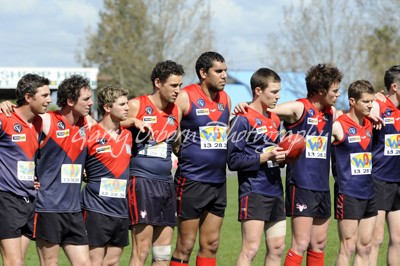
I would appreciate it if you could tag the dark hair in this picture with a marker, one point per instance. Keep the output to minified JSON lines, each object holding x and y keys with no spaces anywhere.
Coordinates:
{"x":108,"y":95}
{"x":29,"y":84}
{"x":70,"y":88}
{"x":262,"y":77}
{"x":392,"y":75}
{"x":206,"y":60}
{"x":358,"y":87}
{"x":164,"y":69}
{"x":321,"y":77}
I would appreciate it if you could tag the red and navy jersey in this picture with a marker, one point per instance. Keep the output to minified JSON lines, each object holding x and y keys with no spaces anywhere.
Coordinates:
{"x":152,"y":158}
{"x":251,"y":134}
{"x":107,"y":171}
{"x":19,"y":143}
{"x":316,"y":127}
{"x":353,"y":159}
{"x":204,"y":137}
{"x":60,"y":168}
{"x":386,"y":144}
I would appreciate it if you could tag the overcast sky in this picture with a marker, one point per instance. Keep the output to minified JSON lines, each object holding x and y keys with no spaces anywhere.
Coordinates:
{"x":47,"y":33}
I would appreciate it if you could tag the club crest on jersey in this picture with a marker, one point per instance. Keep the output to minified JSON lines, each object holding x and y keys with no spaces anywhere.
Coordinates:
{"x":1,"y":124}
{"x":388,"y":112}
{"x":148,"y":110}
{"x":311,"y":112}
{"x":352,"y":130}
{"x":220,"y":107}
{"x":17,"y":128}
{"x":258,"y":122}
{"x":201,"y":102}
{"x":82,"y":132}
{"x":60,"y":125}
{"x":369,"y":135}
{"x":102,"y":141}
{"x":171,"y":120}
{"x":325,"y":117}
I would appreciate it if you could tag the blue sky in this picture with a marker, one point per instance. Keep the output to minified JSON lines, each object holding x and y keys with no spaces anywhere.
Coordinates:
{"x":47,"y":33}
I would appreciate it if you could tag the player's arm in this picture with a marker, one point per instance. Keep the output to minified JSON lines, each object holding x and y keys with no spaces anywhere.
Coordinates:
{"x":337,"y":132}
{"x":290,"y":112}
{"x":176,"y":145}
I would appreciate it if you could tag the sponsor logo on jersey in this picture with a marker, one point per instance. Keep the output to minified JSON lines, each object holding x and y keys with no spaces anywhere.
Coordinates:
{"x":261,"y":130}
{"x":17,"y":128}
{"x":62,"y":133}
{"x":354,"y":139}
{"x":214,"y":134}
{"x":103,"y":149}
{"x":362,"y":160}
{"x":18,"y":138}
{"x":150,"y":119}
{"x":312,"y":121}
{"x":205,"y":111}
{"x":393,"y":141}
{"x":388,"y":120}
{"x":316,"y":143}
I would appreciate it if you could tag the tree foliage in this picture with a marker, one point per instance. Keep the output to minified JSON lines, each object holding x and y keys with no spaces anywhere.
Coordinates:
{"x":133,"y":35}
{"x":360,"y":37}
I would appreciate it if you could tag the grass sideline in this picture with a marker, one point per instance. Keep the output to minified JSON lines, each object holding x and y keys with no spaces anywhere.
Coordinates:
{"x":231,"y":239}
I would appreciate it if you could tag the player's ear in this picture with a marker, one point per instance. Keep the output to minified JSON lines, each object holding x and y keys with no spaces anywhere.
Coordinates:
{"x":352,"y":101}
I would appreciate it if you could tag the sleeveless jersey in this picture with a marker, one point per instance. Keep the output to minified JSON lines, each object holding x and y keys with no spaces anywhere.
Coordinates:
{"x":204,"y":137}
{"x":251,"y":134}
{"x":19,"y":143}
{"x":311,"y":170}
{"x":107,"y":170}
{"x":60,"y":168}
{"x":152,"y":158}
{"x":386,"y":144}
{"x":353,"y":159}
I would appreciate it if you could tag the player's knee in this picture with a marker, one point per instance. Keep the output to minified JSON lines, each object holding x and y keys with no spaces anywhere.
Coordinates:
{"x":251,"y":252}
{"x":161,"y":253}
{"x":185,"y":246}
{"x":211,"y":246}
{"x":364,"y":249}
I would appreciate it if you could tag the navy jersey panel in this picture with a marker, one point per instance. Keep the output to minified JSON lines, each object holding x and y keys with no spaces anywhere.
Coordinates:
{"x":353,"y":159}
{"x":60,"y":169}
{"x":107,"y":170}
{"x":316,"y":127}
{"x":204,"y":137}
{"x":251,"y":134}
{"x":386,"y":144}
{"x":19,"y":143}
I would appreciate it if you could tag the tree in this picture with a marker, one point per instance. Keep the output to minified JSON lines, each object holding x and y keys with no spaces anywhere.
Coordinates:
{"x":133,"y":35}
{"x":320,"y":31}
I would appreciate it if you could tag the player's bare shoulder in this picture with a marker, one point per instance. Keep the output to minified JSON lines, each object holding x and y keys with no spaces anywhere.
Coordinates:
{"x":290,"y":112}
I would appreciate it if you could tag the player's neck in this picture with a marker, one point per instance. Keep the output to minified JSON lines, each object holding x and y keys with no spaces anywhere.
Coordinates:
{"x":160,"y":104}
{"x":112,"y":127}
{"x":356,"y":117}
{"x":257,"y":106}
{"x":69,"y":115}
{"x":25,"y":113}
{"x":393,"y":98}
{"x":318,"y":103}
{"x":211,"y":94}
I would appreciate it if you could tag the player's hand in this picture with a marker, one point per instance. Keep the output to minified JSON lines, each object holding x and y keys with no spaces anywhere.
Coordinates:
{"x":276,"y":155}
{"x":36,"y":183}
{"x":240,"y":108}
{"x":144,"y":128}
{"x":7,"y":108}
{"x":377,"y":121}
{"x":380,"y":95}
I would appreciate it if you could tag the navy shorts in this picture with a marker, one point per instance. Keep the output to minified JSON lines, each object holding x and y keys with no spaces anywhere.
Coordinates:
{"x":347,"y":207}
{"x":151,"y":202}
{"x":194,"y":198}
{"x":61,"y":228}
{"x":308,"y":203}
{"x":16,"y":215}
{"x":258,"y":207}
{"x":104,"y":230}
{"x":387,"y":195}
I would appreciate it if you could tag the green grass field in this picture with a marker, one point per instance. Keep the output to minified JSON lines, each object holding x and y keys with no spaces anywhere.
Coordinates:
{"x":231,"y":239}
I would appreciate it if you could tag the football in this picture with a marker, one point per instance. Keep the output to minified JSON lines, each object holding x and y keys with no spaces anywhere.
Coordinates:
{"x":295,"y":145}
